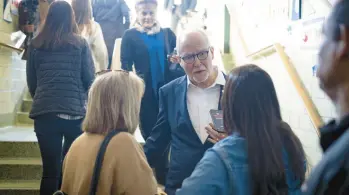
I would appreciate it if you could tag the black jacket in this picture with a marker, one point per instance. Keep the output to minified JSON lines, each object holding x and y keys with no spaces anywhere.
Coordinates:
{"x":174,"y":127}
{"x":59,"y":80}
{"x":331,"y":174}
{"x":135,"y":52}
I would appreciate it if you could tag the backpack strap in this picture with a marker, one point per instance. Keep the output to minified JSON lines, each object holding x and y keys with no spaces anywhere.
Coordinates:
{"x":99,"y":161}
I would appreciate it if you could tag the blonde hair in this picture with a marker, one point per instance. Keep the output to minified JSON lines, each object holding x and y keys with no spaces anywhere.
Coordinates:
{"x":83,"y":15}
{"x":114,"y":102}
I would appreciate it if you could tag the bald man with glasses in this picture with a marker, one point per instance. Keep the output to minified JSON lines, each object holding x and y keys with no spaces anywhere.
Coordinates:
{"x":184,"y":110}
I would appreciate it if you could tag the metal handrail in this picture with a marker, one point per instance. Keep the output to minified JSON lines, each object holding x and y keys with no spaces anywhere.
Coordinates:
{"x":295,"y":78}
{"x":19,"y":50}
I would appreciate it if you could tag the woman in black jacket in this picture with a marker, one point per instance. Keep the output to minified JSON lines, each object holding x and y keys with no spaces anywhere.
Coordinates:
{"x":146,"y":46}
{"x":60,"y":70}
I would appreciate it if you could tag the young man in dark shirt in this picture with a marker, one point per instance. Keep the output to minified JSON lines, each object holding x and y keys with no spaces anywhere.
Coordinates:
{"x":331,"y":175}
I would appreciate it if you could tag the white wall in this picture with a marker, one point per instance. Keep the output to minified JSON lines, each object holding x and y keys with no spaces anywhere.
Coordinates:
{"x":303,"y":56}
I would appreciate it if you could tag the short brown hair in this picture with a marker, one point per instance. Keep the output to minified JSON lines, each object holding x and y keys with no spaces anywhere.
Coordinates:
{"x":114,"y":103}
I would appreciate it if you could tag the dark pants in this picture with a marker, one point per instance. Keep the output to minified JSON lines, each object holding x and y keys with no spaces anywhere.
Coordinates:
{"x":50,"y":131}
{"x":148,"y":117}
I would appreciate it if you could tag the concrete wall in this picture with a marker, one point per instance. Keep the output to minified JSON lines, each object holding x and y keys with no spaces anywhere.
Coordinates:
{"x":12,"y":74}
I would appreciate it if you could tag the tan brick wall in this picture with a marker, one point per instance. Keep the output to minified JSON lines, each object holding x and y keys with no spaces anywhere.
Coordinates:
{"x":12,"y":74}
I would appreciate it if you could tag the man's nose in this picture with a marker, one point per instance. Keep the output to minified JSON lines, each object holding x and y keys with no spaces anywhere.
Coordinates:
{"x":197,"y":62}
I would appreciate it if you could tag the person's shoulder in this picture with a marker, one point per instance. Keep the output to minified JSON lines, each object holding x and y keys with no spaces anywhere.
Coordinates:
{"x":130,"y":31}
{"x":231,"y":141}
{"x":169,"y":31}
{"x":130,"y":34}
{"x":82,"y":43}
{"x":78,"y":41}
{"x":83,"y":139}
{"x":124,"y":140}
{"x":232,"y":148}
{"x":336,"y":154}
{"x":173,"y":84}
{"x":95,"y":26}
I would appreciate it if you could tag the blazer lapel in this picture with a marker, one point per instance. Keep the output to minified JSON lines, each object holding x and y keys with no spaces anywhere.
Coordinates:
{"x":181,"y":93}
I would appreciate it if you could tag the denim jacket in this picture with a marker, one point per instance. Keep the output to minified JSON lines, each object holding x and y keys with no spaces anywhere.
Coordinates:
{"x":224,"y":170}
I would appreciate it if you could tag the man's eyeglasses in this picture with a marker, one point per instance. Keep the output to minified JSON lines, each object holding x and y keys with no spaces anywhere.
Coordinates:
{"x":190,"y":59}
{"x":109,"y":70}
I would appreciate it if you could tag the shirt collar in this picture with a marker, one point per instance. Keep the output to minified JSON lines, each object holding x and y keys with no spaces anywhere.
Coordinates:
{"x":220,"y":80}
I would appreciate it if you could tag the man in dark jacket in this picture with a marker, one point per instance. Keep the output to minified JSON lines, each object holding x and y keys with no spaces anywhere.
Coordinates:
{"x":331,"y":176}
{"x":114,"y":18}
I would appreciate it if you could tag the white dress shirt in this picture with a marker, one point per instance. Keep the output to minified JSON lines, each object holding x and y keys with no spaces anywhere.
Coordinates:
{"x":201,"y":101}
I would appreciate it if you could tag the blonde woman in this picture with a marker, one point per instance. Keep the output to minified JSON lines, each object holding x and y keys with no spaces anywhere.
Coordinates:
{"x":92,"y":32}
{"x":113,"y":104}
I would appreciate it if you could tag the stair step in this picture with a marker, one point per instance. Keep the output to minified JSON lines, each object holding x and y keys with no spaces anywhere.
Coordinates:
{"x":15,"y":149}
{"x":20,"y":187}
{"x":20,"y":161}
{"x":20,"y":169}
{"x":27,"y":95}
{"x":23,"y":118}
{"x":26,"y":105}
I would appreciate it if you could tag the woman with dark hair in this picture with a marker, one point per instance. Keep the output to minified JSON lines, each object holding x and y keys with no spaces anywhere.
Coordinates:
{"x":92,"y":32}
{"x":60,"y":70}
{"x":261,"y":155}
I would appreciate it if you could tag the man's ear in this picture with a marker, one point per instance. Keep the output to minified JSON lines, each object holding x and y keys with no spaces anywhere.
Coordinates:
{"x":181,"y":63}
{"x":343,"y":46}
{"x":212,"y":52}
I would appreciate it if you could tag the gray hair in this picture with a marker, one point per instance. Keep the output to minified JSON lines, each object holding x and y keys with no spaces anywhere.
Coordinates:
{"x":183,"y":37}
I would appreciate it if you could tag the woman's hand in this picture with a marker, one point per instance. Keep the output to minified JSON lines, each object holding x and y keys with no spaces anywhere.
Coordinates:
{"x":175,"y":59}
{"x":215,"y":136}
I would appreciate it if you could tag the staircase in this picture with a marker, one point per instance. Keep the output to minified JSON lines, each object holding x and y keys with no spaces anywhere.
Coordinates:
{"x":20,"y":161}
{"x":23,"y":115}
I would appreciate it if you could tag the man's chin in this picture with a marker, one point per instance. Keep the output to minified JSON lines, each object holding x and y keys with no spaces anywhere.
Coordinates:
{"x":148,"y":25}
{"x":199,"y":80}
